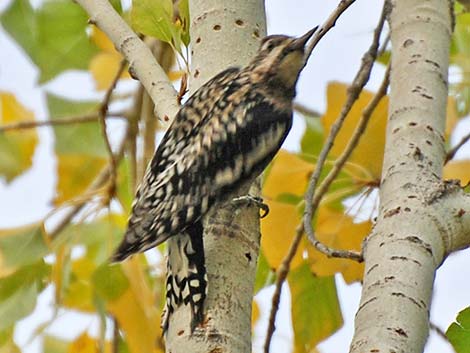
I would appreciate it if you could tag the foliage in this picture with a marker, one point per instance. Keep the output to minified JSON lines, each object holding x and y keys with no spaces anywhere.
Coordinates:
{"x":57,"y":38}
{"x":458,"y":332}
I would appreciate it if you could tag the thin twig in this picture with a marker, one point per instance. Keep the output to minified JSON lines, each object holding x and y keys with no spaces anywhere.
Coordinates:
{"x":102,"y":114}
{"x":115,"y":335}
{"x":384,"y":45}
{"x":439,"y":332}
{"x":282,"y":272}
{"x":354,"y":91}
{"x":454,"y":149}
{"x":304,"y":110}
{"x":150,"y":129}
{"x":80,"y":119}
{"x":134,"y":118}
{"x":329,"y":23}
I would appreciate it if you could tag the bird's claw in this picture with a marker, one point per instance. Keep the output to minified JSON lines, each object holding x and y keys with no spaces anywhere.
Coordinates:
{"x":252,"y":200}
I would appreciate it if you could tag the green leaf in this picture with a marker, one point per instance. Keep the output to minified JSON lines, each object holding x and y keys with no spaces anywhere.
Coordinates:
{"x":116,"y":4}
{"x":80,"y":148}
{"x":22,"y":246}
{"x":110,"y":282}
{"x":54,"y":36}
{"x":264,"y":274}
{"x":316,"y":313}
{"x":19,"y":291}
{"x":312,"y":141}
{"x":385,"y":57}
{"x":458,"y":332}
{"x":83,"y":138}
{"x":100,"y":236}
{"x":183,"y":8}
{"x":124,"y":192}
{"x":153,"y":18}
{"x":7,"y":345}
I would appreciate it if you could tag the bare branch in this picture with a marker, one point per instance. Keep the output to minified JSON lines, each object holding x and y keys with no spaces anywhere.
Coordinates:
{"x":281,"y":273}
{"x":439,"y":332}
{"x":327,"y":25}
{"x":115,"y":335}
{"x":79,"y":119}
{"x":354,"y":91}
{"x":134,"y":118}
{"x":451,"y":153}
{"x":102,"y":114}
{"x":304,"y":110}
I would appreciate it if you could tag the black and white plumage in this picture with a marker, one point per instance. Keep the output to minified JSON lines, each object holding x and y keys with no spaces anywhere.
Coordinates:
{"x":221,"y":139}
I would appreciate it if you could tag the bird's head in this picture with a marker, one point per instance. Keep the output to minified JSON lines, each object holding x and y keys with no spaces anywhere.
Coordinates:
{"x":279,"y":61}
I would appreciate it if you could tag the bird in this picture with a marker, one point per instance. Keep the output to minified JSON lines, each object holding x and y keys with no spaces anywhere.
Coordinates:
{"x":219,"y":142}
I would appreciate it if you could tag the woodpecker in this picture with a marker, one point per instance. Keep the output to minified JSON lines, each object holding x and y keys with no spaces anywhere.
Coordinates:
{"x":221,"y":139}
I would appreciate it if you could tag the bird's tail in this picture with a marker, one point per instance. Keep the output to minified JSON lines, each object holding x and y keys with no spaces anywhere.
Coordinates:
{"x":186,"y":274}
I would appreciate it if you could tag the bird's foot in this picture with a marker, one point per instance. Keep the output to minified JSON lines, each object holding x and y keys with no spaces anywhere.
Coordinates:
{"x":252,"y":200}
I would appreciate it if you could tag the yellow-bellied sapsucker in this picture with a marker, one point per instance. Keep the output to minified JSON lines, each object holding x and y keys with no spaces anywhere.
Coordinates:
{"x":221,"y":139}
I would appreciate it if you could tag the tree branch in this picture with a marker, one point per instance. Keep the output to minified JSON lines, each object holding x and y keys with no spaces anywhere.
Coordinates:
{"x":304,"y":110}
{"x":418,"y":219}
{"x":79,"y":119}
{"x":327,"y":25}
{"x":281,"y":275}
{"x":451,"y":153}
{"x":102,"y":114}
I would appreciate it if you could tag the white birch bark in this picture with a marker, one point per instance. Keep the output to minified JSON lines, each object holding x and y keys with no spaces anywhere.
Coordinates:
{"x":421,"y":218}
{"x":223,"y":33}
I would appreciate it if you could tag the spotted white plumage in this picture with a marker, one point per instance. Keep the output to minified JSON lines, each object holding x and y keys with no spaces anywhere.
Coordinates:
{"x":222,"y":138}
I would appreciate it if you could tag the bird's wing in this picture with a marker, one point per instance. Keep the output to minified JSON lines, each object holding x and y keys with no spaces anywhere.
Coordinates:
{"x":199,"y":163}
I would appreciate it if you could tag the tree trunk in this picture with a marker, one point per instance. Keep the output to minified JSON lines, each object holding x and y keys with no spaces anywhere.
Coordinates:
{"x":420,"y":217}
{"x":223,"y":33}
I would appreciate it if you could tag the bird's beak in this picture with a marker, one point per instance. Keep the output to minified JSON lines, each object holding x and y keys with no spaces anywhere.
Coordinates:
{"x":299,"y":43}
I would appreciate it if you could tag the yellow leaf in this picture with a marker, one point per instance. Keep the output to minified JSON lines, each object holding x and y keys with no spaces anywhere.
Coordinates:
{"x":254,"y":313}
{"x":16,"y":147}
{"x":459,"y":169}
{"x":289,"y":174}
{"x":101,"y":39}
{"x":87,"y":344}
{"x":59,"y":271}
{"x":338,"y":230}
{"x":104,"y":65}
{"x":278,"y":231}
{"x":78,"y":294}
{"x":135,"y":311}
{"x":369,"y":152}
{"x":175,"y":75}
{"x":76,"y":173}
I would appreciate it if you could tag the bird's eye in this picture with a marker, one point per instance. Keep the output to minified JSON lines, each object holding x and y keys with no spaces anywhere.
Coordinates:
{"x":269,"y":46}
